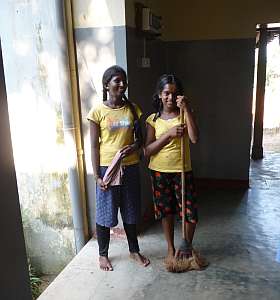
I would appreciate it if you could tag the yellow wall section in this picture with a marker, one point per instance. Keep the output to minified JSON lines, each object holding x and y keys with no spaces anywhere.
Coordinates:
{"x":212,"y":19}
{"x":98,"y":13}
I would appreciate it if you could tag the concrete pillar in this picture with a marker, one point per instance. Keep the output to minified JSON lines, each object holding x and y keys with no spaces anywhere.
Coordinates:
{"x":14,"y":279}
{"x":257,"y":149}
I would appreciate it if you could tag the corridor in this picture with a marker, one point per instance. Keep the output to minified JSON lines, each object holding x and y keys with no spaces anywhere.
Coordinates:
{"x":238,"y":232}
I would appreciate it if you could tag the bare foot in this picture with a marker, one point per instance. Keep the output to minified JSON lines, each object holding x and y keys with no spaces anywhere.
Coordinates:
{"x":105,"y":264}
{"x":142,"y":260}
{"x":171,"y":252}
{"x":170,"y":255}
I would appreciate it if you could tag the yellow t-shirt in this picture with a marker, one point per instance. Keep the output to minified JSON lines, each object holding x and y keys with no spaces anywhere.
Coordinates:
{"x":116,"y":131}
{"x":168,"y":159}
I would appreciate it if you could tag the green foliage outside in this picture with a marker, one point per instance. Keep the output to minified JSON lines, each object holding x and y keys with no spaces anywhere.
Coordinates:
{"x":35,"y":282}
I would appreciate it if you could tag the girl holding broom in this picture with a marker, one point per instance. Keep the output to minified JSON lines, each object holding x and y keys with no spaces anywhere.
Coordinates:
{"x":114,"y":130}
{"x":164,"y":134}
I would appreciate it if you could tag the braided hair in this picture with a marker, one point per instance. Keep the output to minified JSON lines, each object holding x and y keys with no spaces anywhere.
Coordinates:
{"x":163,"y":80}
{"x":107,"y":76}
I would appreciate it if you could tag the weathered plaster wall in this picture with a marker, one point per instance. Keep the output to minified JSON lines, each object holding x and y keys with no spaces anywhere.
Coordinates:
{"x":37,"y":80}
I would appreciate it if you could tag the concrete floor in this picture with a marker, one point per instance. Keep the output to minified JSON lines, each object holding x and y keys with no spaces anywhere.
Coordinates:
{"x":238,"y":232}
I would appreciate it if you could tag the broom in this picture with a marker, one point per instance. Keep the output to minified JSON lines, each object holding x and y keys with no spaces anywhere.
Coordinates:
{"x":185,"y":258}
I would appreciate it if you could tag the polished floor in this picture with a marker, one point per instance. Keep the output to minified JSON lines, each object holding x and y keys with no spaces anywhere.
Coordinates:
{"x":238,"y":232}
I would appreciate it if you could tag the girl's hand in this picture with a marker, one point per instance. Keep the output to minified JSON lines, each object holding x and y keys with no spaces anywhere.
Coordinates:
{"x":126,"y":150}
{"x":182,"y":102}
{"x":176,"y":131}
{"x":101,"y":184}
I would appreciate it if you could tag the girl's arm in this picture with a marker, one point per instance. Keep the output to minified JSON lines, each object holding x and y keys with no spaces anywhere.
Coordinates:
{"x":154,"y":145}
{"x":95,"y":153}
{"x":190,"y":120}
{"x":191,"y":126}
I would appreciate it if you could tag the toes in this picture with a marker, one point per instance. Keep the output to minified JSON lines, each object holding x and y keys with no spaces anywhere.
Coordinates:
{"x":146,"y":262}
{"x":106,"y":268}
{"x":110,"y":268}
{"x":105,"y":264}
{"x":143,"y":260}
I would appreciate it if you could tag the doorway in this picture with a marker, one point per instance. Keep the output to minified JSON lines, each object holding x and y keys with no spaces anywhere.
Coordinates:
{"x":265,"y":160}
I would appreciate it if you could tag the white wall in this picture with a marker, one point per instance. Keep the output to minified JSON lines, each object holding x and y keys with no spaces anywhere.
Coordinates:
{"x":98,"y":13}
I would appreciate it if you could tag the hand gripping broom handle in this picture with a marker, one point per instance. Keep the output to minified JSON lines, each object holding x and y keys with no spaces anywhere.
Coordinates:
{"x":183,"y":151}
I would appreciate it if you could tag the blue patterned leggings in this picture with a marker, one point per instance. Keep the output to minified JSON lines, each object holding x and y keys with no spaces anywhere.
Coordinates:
{"x":126,"y":197}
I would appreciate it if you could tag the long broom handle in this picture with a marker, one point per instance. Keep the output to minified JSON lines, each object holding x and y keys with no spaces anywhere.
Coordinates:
{"x":183,"y":151}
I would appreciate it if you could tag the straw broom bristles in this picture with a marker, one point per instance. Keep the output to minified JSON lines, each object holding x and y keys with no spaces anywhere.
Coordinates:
{"x":184,"y":264}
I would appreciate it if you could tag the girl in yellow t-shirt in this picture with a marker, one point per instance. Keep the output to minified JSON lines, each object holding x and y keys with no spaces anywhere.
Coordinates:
{"x":114,"y":127}
{"x":163,"y":149}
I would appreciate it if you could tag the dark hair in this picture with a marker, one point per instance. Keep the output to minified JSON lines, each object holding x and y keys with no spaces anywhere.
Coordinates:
{"x":162,"y":81}
{"x":108,"y":75}
{"x":106,"y":78}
